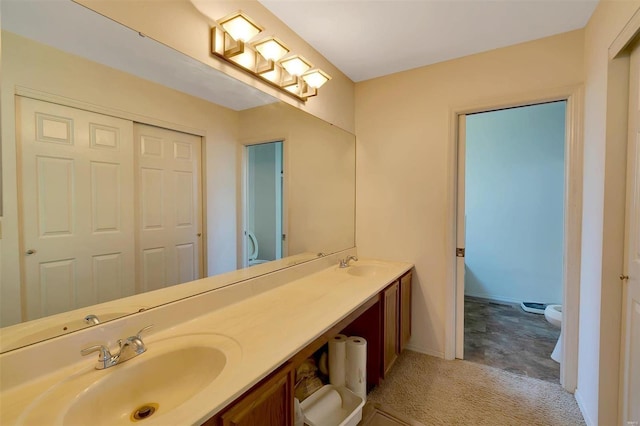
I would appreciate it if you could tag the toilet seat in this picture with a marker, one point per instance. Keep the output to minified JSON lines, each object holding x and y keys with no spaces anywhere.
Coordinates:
{"x":253,"y":246}
{"x":253,"y":250}
{"x":553,"y":314}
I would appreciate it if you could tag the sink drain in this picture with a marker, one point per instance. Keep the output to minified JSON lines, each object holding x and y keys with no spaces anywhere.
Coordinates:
{"x":144,"y":412}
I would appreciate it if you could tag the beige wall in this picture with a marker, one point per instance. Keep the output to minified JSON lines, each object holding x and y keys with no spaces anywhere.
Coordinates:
{"x":403,"y":163}
{"x":31,"y":65}
{"x":606,"y":94}
{"x":178,"y":24}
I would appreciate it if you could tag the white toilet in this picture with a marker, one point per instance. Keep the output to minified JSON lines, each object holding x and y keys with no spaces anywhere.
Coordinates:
{"x":253,"y":250}
{"x":553,"y":314}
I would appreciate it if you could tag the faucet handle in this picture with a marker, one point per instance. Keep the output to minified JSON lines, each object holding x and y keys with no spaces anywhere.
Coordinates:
{"x":143,"y":330}
{"x":104,"y":352}
{"x":137,"y":338}
{"x":91,"y":319}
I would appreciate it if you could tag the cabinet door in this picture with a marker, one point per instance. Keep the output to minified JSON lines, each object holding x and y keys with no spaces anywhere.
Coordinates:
{"x":390,"y":329}
{"x":405,"y":310}
{"x":270,"y":404}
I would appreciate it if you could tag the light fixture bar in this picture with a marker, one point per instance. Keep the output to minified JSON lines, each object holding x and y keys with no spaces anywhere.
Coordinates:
{"x":231,"y":41}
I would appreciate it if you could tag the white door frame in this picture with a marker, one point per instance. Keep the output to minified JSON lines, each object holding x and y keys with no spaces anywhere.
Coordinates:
{"x":628,"y":292}
{"x":621,"y":46}
{"x":572,"y":223}
{"x":279,"y":183}
{"x":243,"y":221}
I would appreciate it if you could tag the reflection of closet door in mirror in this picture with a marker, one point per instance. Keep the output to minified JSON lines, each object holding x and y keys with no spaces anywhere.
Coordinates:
{"x":169,"y":207}
{"x":77,"y":223}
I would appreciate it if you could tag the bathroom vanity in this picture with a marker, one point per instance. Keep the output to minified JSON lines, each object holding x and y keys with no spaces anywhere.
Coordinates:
{"x":382,"y":319}
{"x":226,"y":357}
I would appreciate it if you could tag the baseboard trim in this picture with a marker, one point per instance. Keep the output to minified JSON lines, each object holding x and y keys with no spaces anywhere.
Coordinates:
{"x":497,"y":298}
{"x":578,"y":396}
{"x":426,"y":351}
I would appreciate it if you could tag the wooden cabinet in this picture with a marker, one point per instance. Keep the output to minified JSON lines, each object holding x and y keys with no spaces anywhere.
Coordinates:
{"x":396,"y":320}
{"x":270,"y":403}
{"x":405,"y":310}
{"x":390,"y":326}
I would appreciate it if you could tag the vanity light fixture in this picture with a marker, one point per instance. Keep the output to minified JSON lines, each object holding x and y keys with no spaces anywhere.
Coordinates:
{"x":293,"y":88}
{"x":300,"y":88}
{"x":240,"y":28}
{"x":230,"y":40}
{"x":296,"y":65}
{"x":316,"y":78}
{"x":271,"y":48}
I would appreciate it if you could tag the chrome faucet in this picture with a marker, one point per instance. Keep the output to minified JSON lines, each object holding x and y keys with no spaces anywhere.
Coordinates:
{"x":344,"y":263}
{"x":91,"y":319}
{"x":129,"y":348}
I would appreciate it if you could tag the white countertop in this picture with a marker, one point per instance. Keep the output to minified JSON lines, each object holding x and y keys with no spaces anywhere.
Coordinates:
{"x":269,"y":328}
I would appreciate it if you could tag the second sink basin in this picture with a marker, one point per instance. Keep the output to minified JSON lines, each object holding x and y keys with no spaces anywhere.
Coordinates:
{"x":149,"y":387}
{"x":366,"y":270}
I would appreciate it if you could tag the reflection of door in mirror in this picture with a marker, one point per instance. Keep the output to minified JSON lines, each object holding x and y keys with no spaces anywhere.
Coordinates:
{"x":168,"y":207}
{"x":79,"y":210}
{"x":265,"y":239}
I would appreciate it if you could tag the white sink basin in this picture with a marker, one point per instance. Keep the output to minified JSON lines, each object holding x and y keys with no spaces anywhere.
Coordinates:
{"x":146,"y":389}
{"x":366,"y":270}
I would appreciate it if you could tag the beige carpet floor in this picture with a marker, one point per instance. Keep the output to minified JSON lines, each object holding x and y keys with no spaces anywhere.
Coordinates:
{"x":438,"y":392}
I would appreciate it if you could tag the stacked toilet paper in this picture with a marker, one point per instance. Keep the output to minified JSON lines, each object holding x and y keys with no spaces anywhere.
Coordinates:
{"x":348,"y":363}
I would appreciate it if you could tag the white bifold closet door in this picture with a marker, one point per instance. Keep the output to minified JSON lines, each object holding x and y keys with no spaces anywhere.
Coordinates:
{"x":168,"y":207}
{"x":77,"y":224}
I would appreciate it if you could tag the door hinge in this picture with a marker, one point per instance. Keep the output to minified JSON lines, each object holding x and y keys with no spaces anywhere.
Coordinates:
{"x":284,"y":237}
{"x":459,"y":252}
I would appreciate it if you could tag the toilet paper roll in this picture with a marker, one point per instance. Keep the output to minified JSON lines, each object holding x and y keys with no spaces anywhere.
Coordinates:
{"x":337,"y":360}
{"x":357,"y":366}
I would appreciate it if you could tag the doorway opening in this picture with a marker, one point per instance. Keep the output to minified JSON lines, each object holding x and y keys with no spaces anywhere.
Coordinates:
{"x":514,"y":200}
{"x":264,"y":236}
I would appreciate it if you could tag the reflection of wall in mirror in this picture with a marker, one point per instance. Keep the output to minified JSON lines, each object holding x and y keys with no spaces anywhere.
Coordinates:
{"x":320,"y":159}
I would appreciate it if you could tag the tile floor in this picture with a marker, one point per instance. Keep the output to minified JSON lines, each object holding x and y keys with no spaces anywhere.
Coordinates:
{"x":502,"y":335}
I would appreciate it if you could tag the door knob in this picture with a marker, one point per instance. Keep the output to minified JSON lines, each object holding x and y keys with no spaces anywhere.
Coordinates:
{"x":30,"y":252}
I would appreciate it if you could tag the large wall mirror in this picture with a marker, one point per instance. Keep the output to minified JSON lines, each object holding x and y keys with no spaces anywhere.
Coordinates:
{"x":130,"y":171}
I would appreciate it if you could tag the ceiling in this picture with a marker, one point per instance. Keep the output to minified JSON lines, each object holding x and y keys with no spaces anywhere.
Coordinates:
{"x":74,"y":29}
{"x":371,"y":38}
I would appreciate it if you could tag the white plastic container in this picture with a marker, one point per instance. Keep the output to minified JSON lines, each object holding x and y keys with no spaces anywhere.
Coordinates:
{"x":332,"y":406}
